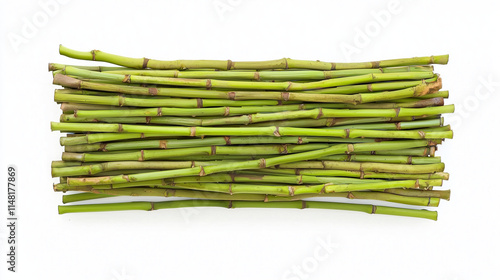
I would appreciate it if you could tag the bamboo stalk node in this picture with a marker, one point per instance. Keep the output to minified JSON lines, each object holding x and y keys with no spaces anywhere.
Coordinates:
{"x":193,"y":131}
{"x":126,"y":79}
{"x":285,"y":96}
{"x":230,"y":204}
{"x":152,"y":206}
{"x":375,"y":64}
{"x":202,"y":171}
{"x":126,"y":178}
{"x":209,"y":84}
{"x":228,"y":140}
{"x":374,"y":209}
{"x":410,"y":158}
{"x":299,"y":140}
{"x":262,"y":163}
{"x":153,"y":91}
{"x":300,"y":180}
{"x":102,"y":147}
{"x":226,"y":111}
{"x":145,"y":63}
{"x":334,"y":65}
{"x":397,"y":110}
{"x":304,"y":204}
{"x":93,"y":52}
{"x":350,"y":195}
{"x":350,"y":148}
{"x":277,"y":132}
{"x":291,"y":191}
{"x":320,"y":113}
{"x":347,"y":132}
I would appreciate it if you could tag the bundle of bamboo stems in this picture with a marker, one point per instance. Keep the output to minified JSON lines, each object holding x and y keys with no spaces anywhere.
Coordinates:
{"x":233,"y":134}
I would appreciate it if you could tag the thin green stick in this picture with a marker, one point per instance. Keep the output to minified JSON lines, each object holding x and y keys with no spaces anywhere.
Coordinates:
{"x":285,"y":63}
{"x":248,"y":131}
{"x":145,"y":155}
{"x":355,"y":174}
{"x":253,"y":164}
{"x":301,"y":204}
{"x":418,"y":89}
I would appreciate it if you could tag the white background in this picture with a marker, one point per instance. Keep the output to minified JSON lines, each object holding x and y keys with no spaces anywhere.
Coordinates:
{"x":252,"y":243}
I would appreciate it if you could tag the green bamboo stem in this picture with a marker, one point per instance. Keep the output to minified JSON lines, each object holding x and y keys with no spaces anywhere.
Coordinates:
{"x":201,"y":142}
{"x":246,"y":74}
{"x":285,"y":63}
{"x":372,"y":87}
{"x":83,"y":197}
{"x":105,"y":137}
{"x":356,"y":174}
{"x":421,"y":88}
{"x":59,"y":66}
{"x":118,"y":101}
{"x":329,"y":122}
{"x":353,"y":89}
{"x":427,"y":125}
{"x":269,"y":75}
{"x":225,"y":195}
{"x":146,"y":155}
{"x":257,"y":114}
{"x":60,"y":95}
{"x":422,"y":124}
{"x":427,"y":152}
{"x":300,"y":204}
{"x":214,"y":178}
{"x":213,"y":83}
{"x":418,"y":201}
{"x":291,"y":190}
{"x":248,"y":131}
{"x":441,"y":194}
{"x":183,"y":121}
{"x":96,"y":168}
{"x":416,"y":160}
{"x":233,"y":190}
{"x":366,"y":166}
{"x":248,"y":165}
{"x":69,"y":108}
{"x":73,"y":168}
{"x":440,"y":94}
